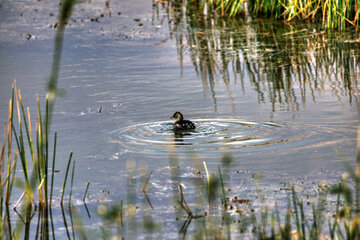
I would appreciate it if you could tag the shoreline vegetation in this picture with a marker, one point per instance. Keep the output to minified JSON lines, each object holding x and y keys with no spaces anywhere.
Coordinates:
{"x":333,"y":14}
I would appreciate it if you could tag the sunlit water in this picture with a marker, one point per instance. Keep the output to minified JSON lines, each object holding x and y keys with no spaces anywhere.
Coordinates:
{"x":281,"y":101}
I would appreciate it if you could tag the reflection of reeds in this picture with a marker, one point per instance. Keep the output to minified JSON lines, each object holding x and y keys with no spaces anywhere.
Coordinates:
{"x":285,"y":64}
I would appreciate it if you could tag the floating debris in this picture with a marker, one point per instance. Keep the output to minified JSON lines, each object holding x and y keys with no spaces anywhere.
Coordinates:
{"x":28,"y":36}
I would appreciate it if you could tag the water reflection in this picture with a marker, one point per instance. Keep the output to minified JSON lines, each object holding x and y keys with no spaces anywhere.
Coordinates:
{"x":286,"y":65}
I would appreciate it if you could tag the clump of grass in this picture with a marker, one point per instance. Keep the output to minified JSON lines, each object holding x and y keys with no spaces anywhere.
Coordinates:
{"x":331,"y":13}
{"x":35,"y":184}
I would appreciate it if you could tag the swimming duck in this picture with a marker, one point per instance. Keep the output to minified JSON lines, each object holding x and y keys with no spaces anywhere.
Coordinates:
{"x":182,"y":124}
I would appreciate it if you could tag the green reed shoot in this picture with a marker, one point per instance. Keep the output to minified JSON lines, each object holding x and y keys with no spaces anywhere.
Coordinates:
{"x":70,"y":195}
{"x":37,"y":180}
{"x":224,"y":198}
{"x":87,"y":188}
{"x":52,"y":185}
{"x":65,"y":178}
{"x":183,"y":202}
{"x":208,"y":181}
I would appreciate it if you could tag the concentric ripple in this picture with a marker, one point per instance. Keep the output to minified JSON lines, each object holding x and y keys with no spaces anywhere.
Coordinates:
{"x":210,"y":135}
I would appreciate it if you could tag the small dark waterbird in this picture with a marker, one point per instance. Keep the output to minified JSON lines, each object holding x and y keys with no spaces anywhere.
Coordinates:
{"x":182,"y":124}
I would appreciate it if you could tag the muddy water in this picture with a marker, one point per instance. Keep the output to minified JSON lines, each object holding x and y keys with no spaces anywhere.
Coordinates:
{"x":280,"y":100}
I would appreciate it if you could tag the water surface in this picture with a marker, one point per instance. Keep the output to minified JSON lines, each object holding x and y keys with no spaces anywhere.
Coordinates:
{"x":281,"y":100}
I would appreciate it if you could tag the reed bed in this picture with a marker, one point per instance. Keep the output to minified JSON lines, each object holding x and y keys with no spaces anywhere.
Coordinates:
{"x":36,"y":186}
{"x":330,"y":13}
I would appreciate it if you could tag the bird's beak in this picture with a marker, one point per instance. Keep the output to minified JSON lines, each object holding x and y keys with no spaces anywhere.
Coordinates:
{"x":172,"y":118}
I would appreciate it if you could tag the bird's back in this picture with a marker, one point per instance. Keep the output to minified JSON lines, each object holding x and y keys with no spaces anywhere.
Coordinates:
{"x":184,"y":124}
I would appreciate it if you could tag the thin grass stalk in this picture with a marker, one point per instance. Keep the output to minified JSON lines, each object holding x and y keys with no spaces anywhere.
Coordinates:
{"x":46,"y":147}
{"x":208,"y":180}
{"x":287,"y":230}
{"x":20,"y":142}
{"x":40,"y":149}
{"x":71,"y":182}
{"x":87,"y":188}
{"x":297,"y":221}
{"x":45,"y":170}
{"x":12,"y":173}
{"x":9,"y":183}
{"x":53,"y":169}
{"x":52,"y":186}
{"x":302,"y":220}
{"x":183,"y":202}
{"x":30,"y":132}
{"x":2,"y":165}
{"x":28,"y":217}
{"x":273,"y":228}
{"x":313,"y":230}
{"x":8,"y":223}
{"x":39,"y":157}
{"x":222,"y":187}
{"x":121,"y":212}
{"x":70,"y":196}
{"x":9,"y":142}
{"x":333,"y":228}
{"x":9,"y":176}
{"x":357,"y":174}
{"x":64,"y":220}
{"x":65,"y":179}
{"x":21,"y":153}
{"x":27,"y":127}
{"x":39,"y":225}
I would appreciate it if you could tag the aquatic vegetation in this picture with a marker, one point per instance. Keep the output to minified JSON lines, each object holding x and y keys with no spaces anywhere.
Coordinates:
{"x":36,"y":187}
{"x":218,"y":216}
{"x":331,"y":14}
{"x":286,"y":64}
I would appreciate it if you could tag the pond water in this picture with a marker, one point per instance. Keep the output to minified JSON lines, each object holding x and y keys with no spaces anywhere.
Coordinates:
{"x":277,"y":99}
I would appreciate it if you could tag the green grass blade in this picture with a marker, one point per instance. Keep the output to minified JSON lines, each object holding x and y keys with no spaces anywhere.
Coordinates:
{"x":65,"y":179}
{"x":87,"y":188}
{"x":222,"y":187}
